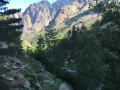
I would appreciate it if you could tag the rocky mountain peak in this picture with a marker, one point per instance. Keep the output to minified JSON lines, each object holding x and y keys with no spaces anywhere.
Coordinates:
{"x":38,"y":15}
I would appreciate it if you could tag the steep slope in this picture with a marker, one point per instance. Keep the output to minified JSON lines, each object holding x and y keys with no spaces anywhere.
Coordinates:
{"x":21,"y":72}
{"x":76,"y":13}
{"x":38,"y":15}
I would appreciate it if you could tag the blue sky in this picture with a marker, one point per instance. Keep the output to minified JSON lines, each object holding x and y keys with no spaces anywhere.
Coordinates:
{"x":23,"y":4}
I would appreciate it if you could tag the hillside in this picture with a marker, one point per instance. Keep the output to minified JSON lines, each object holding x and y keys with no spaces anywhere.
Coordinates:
{"x":20,"y":71}
{"x":90,"y":56}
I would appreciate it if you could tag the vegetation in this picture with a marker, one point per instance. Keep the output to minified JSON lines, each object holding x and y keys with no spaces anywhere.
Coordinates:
{"x":92,"y":56}
{"x":107,"y":9}
{"x":9,"y":29}
{"x":86,"y":59}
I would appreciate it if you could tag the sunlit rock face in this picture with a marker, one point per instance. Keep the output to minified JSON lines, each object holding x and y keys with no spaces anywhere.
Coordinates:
{"x":43,"y":14}
{"x":38,"y":15}
{"x":60,"y":3}
{"x":70,"y":14}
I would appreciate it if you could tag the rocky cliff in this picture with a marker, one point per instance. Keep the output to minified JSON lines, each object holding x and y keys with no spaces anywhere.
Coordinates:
{"x":60,"y":14}
{"x":38,"y":15}
{"x":77,"y":13}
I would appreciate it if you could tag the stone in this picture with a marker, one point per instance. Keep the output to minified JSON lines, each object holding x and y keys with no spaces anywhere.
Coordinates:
{"x":3,"y":45}
{"x":3,"y":76}
{"x":38,"y":85}
{"x":106,"y":25}
{"x":65,"y":86}
{"x":24,"y":66}
{"x":10,"y":79}
{"x":5,"y":66}
{"x":14,"y":67}
{"x":27,"y":84}
{"x":18,"y":61}
{"x":16,"y":89}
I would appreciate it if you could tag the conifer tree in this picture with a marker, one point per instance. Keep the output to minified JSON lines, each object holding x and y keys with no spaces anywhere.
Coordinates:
{"x":110,"y":41}
{"x":9,"y":29}
{"x":73,"y":42}
{"x":90,"y":66}
{"x":49,"y":36}
{"x":40,"y":43}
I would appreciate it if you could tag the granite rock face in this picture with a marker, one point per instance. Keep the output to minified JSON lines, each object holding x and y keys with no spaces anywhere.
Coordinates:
{"x":62,"y":13}
{"x":72,"y":13}
{"x":38,"y":15}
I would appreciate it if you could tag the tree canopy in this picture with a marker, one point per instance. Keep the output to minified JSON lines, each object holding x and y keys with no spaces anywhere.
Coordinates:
{"x":9,"y":28}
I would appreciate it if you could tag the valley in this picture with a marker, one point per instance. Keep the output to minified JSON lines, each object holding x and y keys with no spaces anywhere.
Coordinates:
{"x":64,"y":45}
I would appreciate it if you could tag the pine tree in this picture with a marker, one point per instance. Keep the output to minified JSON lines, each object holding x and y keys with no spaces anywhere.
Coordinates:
{"x":110,"y":41}
{"x":40,"y":43}
{"x":72,"y":43}
{"x":73,"y":40}
{"x":50,"y":37}
{"x":9,"y":29}
{"x":90,"y":66}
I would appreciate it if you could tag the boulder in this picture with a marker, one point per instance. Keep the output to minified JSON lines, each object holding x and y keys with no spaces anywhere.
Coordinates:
{"x":3,"y":45}
{"x":10,"y":79}
{"x":106,"y":25}
{"x":65,"y":86}
{"x":14,"y":67}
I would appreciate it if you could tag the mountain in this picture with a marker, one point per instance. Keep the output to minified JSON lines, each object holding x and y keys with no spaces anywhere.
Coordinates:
{"x":77,"y":13}
{"x":17,"y":15}
{"x":60,"y":14}
{"x":60,"y":3}
{"x":38,"y":15}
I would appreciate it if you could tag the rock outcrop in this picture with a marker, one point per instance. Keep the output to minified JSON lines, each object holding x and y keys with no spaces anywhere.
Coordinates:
{"x":38,"y":15}
{"x":3,"y":45}
{"x":65,"y":86}
{"x":77,"y":13}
